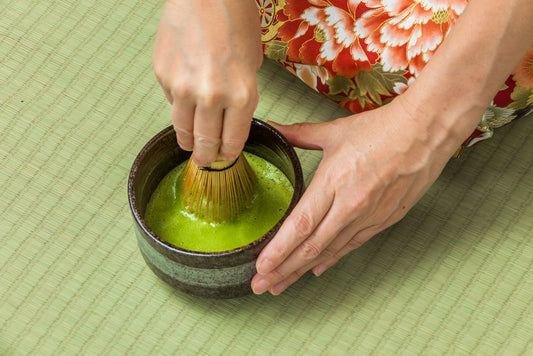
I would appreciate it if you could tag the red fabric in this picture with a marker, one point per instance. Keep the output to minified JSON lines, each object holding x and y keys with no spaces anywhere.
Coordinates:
{"x":363,"y":53}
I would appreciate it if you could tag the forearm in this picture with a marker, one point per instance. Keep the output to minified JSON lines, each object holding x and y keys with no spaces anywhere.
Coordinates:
{"x":215,"y":28}
{"x":452,"y":92}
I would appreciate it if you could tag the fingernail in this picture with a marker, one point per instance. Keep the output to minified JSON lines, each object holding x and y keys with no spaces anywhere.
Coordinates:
{"x":228,"y":157}
{"x":318,"y":270}
{"x":200,"y":163}
{"x":264,"y":266}
{"x":260,"y":287}
{"x":186,"y":148}
{"x":278,"y":289}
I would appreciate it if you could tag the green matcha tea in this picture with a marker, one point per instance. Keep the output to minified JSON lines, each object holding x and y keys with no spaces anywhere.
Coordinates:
{"x":168,"y":218}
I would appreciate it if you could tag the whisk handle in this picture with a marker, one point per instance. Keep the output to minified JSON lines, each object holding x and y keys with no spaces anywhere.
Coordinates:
{"x":220,"y":165}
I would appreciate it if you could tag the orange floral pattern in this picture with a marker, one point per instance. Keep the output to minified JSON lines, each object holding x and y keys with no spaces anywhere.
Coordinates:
{"x":363,"y":53}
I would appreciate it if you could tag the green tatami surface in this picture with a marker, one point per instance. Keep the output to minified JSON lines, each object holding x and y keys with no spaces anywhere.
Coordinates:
{"x":79,"y":99}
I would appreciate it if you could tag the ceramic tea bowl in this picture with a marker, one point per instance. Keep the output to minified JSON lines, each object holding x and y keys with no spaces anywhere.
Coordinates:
{"x":224,"y":274}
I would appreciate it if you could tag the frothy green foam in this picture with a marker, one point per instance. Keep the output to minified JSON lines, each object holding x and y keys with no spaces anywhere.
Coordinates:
{"x":169,"y":219}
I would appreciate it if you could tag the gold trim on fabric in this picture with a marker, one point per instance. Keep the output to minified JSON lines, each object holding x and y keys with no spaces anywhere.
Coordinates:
{"x":268,"y":10}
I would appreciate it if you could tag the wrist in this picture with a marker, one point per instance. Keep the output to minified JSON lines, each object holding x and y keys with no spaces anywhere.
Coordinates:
{"x":449,"y":97}
{"x":446,"y":115}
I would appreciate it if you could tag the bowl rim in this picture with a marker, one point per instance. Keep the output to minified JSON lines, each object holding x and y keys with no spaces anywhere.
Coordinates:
{"x":140,"y":222}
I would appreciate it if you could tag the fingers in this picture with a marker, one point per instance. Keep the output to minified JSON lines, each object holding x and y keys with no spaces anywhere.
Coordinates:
{"x":313,"y":236}
{"x":346,"y":244}
{"x":304,"y":135}
{"x":207,"y":132}
{"x":235,"y":132}
{"x":351,"y":240}
{"x":211,"y":128}
{"x":238,"y":118}
{"x":300,"y":224}
{"x":314,"y":245}
{"x":222,"y":125}
{"x":261,"y":284}
{"x":211,"y":122}
{"x":323,"y":244}
{"x":182,"y":120}
{"x":279,"y":287}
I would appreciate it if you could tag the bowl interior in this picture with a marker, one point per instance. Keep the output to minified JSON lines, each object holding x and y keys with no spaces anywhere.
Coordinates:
{"x":162,"y":153}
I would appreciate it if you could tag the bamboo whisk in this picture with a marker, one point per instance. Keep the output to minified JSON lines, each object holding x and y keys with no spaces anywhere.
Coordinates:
{"x":218,"y":192}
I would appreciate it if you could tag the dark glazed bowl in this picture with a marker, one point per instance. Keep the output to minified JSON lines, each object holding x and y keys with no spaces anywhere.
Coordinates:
{"x":224,"y":274}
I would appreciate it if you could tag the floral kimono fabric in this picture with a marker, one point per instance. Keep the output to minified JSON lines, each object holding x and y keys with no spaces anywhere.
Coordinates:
{"x":363,"y":53}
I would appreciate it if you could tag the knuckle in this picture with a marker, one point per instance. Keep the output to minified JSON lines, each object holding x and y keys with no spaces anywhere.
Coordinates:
{"x":303,"y":224}
{"x":183,"y":133}
{"x":159,"y":64}
{"x":210,"y":96}
{"x":159,"y":71}
{"x":181,"y":90}
{"x":207,"y":141}
{"x":184,"y":137}
{"x":353,"y":244}
{"x":243,"y":98}
{"x":334,"y":259}
{"x":357,"y":206}
{"x":358,"y":201}
{"x":310,"y":250}
{"x":277,"y":275}
{"x":329,"y":252}
{"x":299,"y":273}
{"x":279,"y":250}
{"x":233,"y":144}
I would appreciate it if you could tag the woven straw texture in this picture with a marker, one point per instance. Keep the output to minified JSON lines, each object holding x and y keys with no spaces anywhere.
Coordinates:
{"x":79,"y":100}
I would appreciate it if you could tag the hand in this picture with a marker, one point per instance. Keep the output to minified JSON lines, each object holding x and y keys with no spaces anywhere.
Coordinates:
{"x":206,"y":57}
{"x":375,"y":167}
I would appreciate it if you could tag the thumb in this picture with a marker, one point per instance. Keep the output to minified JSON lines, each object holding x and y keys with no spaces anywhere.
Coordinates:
{"x":308,"y":136}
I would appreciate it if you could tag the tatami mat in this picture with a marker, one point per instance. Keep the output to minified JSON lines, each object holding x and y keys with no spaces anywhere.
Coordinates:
{"x":79,"y":100}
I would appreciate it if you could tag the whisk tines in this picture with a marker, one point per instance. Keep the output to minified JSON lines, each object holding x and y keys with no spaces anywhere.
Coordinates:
{"x":218,"y":192}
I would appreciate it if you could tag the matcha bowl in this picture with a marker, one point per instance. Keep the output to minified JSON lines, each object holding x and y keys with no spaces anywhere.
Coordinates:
{"x":219,"y":274}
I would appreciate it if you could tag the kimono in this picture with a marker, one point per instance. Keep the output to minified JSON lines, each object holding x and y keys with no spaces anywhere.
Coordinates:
{"x":363,"y":53}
